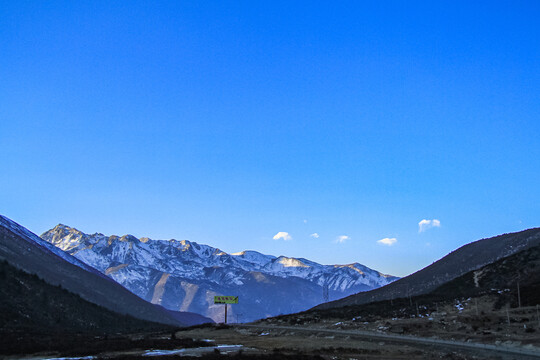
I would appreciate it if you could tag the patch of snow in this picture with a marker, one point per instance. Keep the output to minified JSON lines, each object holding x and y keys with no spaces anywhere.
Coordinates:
{"x":163,"y":352}
{"x":229,"y":346}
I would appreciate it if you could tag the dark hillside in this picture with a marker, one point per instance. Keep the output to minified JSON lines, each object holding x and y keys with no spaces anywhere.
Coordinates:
{"x":502,"y":278}
{"x":459,"y":262}
{"x":30,"y":305}
{"x":36,"y":316}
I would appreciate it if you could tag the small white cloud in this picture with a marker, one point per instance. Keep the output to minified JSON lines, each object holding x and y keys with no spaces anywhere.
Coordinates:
{"x":314,"y":235}
{"x":282,"y":235}
{"x":387,"y":241}
{"x":305,"y":221}
{"x":342,"y":238}
{"x":426,"y":224}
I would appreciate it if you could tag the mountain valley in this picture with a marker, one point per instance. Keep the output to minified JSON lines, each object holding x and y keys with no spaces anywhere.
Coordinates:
{"x":488,"y":309}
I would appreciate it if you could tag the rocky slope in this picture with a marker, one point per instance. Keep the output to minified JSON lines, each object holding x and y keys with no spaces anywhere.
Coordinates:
{"x":183,"y":275}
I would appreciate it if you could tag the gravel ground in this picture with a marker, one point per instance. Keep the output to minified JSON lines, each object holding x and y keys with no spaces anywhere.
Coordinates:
{"x":335,"y":346}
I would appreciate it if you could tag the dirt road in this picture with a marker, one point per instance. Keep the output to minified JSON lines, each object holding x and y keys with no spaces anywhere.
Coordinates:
{"x":518,"y":352}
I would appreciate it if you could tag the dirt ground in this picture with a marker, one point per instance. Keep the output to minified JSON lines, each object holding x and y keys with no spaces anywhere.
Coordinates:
{"x":472,"y":321}
{"x":329,"y":346}
{"x":308,"y":335}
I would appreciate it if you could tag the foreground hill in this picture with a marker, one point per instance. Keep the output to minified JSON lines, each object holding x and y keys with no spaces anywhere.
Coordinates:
{"x":459,"y":262}
{"x":513,"y":282}
{"x":496,"y":304}
{"x":49,"y":321}
{"x":30,"y":305}
{"x":27,"y":252}
{"x":184,"y":275}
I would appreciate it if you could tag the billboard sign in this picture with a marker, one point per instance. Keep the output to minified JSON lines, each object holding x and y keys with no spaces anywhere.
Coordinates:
{"x":225,"y":299}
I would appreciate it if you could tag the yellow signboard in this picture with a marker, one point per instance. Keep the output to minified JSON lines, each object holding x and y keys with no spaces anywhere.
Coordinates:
{"x":225,"y":299}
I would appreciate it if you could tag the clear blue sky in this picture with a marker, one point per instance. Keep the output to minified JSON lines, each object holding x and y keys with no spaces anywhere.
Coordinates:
{"x":227,"y":122}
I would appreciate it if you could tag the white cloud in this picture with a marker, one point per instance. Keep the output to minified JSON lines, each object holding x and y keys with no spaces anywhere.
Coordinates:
{"x":314,"y":235}
{"x":426,"y":224}
{"x":282,"y":235}
{"x":387,"y":241}
{"x":342,"y":238}
{"x":305,"y":221}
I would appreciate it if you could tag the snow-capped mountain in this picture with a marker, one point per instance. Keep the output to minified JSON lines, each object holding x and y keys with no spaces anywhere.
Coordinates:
{"x":183,"y":275}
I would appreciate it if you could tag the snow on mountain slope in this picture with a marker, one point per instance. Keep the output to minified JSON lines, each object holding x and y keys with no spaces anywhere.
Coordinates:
{"x":30,"y":236}
{"x":185,"y":275}
{"x":254,"y":258}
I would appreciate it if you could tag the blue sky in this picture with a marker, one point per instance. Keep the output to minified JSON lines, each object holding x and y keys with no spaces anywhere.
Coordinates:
{"x":227,"y":122}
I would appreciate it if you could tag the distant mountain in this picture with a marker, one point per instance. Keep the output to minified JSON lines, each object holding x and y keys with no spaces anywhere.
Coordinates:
{"x":467,"y":258}
{"x":28,"y":252}
{"x":183,"y":275}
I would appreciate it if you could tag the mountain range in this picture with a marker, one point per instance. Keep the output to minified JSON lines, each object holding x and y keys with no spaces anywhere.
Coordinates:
{"x":184,"y":275}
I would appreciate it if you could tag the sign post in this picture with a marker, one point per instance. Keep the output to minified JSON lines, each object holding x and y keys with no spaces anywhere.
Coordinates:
{"x":225,"y":300}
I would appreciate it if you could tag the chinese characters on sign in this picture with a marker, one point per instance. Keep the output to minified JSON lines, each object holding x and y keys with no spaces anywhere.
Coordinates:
{"x":225,"y":299}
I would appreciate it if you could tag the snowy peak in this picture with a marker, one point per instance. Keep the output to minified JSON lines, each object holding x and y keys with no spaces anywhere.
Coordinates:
{"x":290,"y":262}
{"x":253,"y":257}
{"x":350,"y":266}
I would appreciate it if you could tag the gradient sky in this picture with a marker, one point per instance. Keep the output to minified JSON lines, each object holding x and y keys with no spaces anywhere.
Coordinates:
{"x":227,"y":122}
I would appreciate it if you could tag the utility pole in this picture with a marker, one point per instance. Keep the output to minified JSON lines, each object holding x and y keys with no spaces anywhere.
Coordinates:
{"x":519,"y":295}
{"x":537,"y":315}
{"x":225,"y":300}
